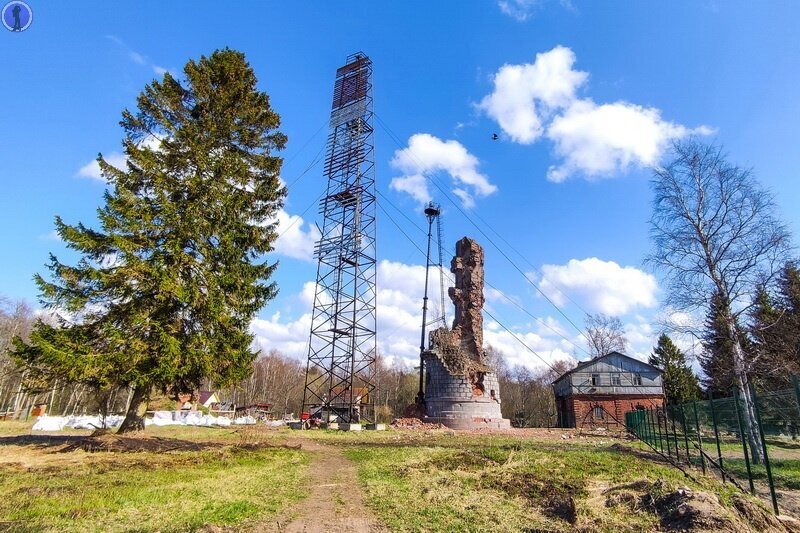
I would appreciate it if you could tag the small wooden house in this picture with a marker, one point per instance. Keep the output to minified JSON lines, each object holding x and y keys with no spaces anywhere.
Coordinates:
{"x":192,"y":401}
{"x":600,"y":391}
{"x":208,"y":399}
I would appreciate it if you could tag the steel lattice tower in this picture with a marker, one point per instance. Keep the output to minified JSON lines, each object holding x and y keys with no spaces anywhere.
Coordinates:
{"x":341,"y":353}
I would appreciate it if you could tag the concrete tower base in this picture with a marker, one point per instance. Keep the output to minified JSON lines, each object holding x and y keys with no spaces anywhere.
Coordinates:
{"x":460,"y":402}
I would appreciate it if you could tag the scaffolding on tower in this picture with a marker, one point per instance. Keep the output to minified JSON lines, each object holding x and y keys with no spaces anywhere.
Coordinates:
{"x":342,"y":350}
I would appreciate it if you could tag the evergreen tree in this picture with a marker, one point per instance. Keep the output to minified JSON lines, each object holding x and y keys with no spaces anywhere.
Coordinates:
{"x":680,"y":383}
{"x":789,"y":326}
{"x":716,"y":360}
{"x":775,"y":330}
{"x":167,"y":286}
{"x":769,"y":365}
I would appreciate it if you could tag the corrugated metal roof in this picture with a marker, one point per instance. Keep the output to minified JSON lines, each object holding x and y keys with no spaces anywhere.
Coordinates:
{"x":590,"y":362}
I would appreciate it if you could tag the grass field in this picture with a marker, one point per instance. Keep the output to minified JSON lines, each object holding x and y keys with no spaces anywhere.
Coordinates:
{"x":185,"y":479}
{"x":56,"y":487}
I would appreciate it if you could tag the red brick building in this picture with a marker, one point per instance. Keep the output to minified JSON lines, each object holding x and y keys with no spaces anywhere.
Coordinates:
{"x":600,"y":391}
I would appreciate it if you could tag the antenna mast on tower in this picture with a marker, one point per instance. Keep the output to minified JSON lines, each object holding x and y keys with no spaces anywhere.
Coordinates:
{"x":432,"y":212}
{"x":342,"y":350}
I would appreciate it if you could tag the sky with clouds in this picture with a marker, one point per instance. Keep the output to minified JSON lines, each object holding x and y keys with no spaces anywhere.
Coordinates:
{"x":583,"y":98}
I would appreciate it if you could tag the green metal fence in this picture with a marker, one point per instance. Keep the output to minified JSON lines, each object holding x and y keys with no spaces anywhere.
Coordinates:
{"x":712,"y":435}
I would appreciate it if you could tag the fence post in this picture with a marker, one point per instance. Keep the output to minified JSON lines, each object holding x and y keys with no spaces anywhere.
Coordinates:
{"x":652,"y":423}
{"x":699,"y":437}
{"x":661,"y":434}
{"x":716,"y":434}
{"x":675,"y":436}
{"x":796,"y":384}
{"x":764,"y":447}
{"x":685,"y":433}
{"x":640,"y":425}
{"x":743,"y":439}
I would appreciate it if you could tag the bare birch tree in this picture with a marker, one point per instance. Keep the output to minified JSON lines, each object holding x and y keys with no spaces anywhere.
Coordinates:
{"x":604,"y":334}
{"x":16,"y":320}
{"x":715,"y":231}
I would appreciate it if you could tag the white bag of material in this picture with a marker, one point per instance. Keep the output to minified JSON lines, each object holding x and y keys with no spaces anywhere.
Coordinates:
{"x":50,"y":423}
{"x":244,"y":420}
{"x":57,"y":423}
{"x":192,"y":418}
{"x":93,"y":422}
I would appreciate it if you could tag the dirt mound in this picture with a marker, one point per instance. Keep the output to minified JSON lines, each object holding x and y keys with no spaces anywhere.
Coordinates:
{"x":414,"y":423}
{"x":682,"y":509}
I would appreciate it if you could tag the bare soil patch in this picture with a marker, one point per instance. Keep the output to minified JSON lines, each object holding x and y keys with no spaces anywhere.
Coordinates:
{"x":336,"y":502}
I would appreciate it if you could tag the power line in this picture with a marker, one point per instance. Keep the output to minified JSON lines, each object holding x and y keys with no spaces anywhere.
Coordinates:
{"x":311,"y":165}
{"x":539,"y":320}
{"x":491,"y":241}
{"x":402,"y":213}
{"x":458,"y":207}
{"x":298,"y":152}
{"x":543,"y":323}
{"x":534,"y":352}
{"x":300,"y":216}
{"x":314,"y":162}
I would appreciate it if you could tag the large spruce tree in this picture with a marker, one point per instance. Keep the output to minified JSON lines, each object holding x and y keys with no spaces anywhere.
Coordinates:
{"x":775,"y":330}
{"x":717,"y":357}
{"x":789,"y":301}
{"x":168,"y":283}
{"x":680,"y":383}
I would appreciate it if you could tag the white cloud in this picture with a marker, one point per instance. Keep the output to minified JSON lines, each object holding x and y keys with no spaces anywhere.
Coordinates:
{"x":518,"y":9}
{"x":533,"y":100}
{"x":116,"y":159}
{"x":601,"y":140}
{"x":549,"y":348}
{"x":399,"y":302}
{"x":289,"y":338}
{"x":425,"y":155}
{"x":416,"y":185}
{"x":522,"y":10}
{"x":294,"y":241}
{"x":92,"y":168}
{"x":399,"y":310}
{"x":137,"y":58}
{"x":51,"y":236}
{"x":641,"y":338}
{"x":526,"y":95}
{"x":604,"y":286}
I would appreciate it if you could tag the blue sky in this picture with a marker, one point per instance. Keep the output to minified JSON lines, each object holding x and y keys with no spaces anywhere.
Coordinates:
{"x":583,"y":95}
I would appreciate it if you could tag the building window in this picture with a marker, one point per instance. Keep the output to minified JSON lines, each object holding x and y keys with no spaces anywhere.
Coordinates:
{"x":637,"y":379}
{"x":616,"y":380}
{"x":596,"y":380}
{"x":598,"y":413}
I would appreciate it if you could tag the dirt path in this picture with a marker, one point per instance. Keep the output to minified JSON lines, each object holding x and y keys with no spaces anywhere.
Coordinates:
{"x":336,"y":503}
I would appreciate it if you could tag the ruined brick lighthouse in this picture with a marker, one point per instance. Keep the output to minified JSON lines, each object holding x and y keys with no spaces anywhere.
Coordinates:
{"x":461,"y":391}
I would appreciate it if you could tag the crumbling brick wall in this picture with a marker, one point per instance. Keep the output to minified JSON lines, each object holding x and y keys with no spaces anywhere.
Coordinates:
{"x":461,"y":348}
